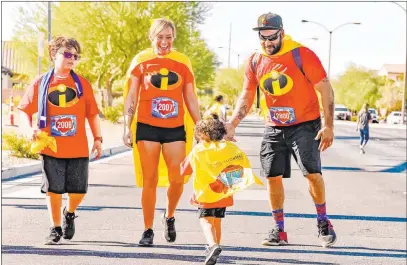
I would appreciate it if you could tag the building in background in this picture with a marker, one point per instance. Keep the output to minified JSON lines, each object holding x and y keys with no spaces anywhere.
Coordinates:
{"x":394,"y":72}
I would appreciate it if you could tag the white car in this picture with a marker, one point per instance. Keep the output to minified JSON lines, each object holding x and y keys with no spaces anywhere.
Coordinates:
{"x":342,"y":113}
{"x":394,"y":118}
{"x":374,"y":115}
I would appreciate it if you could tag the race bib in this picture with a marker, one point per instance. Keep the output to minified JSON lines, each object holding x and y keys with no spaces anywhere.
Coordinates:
{"x":63,"y":125}
{"x":282,"y":115}
{"x":164,"y":108}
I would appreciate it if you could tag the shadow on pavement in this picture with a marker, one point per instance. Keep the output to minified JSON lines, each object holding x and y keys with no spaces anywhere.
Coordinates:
{"x":7,"y":249}
{"x":236,"y":213}
{"x":223,"y":259}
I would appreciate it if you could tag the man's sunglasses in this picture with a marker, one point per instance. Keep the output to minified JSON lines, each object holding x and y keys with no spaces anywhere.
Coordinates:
{"x":69,"y":55}
{"x":270,"y":37}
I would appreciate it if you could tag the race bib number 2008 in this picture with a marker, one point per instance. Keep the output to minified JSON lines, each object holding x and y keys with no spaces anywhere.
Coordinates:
{"x":165,"y":108}
{"x":282,"y":115}
{"x":63,"y":125}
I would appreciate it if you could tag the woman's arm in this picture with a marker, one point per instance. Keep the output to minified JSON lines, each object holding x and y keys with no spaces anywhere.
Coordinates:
{"x":191,"y":101}
{"x":130,"y":107}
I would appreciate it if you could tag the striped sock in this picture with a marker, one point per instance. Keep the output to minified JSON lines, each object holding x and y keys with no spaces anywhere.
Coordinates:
{"x":321,"y":212}
{"x":279,"y":218}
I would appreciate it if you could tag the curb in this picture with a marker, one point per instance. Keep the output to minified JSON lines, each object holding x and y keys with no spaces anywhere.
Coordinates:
{"x":22,"y":171}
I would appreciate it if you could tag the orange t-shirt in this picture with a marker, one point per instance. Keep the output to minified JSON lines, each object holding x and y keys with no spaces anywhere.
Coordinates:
{"x":161,"y":100}
{"x":66,"y":114}
{"x":290,"y":97}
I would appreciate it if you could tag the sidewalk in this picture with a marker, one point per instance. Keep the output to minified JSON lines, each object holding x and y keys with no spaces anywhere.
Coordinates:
{"x":14,"y":166}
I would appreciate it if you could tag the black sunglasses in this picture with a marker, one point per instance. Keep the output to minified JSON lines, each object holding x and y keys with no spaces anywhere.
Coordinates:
{"x":270,"y":37}
{"x":69,"y":55}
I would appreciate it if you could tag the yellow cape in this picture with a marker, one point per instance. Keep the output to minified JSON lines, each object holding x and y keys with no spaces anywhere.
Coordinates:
{"x":220,"y":169}
{"x":188,"y":122}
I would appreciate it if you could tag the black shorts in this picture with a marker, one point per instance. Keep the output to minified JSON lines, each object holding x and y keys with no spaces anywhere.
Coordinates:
{"x":212,"y":212}
{"x":161,"y":135}
{"x":64,"y":175}
{"x":299,"y":140}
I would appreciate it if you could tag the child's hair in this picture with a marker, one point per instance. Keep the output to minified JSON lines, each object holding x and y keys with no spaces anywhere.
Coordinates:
{"x":212,"y":127}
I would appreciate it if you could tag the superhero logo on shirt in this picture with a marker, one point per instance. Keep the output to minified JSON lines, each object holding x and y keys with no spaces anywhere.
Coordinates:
{"x":62,"y":96}
{"x":276,"y":83}
{"x":164,"y":79}
{"x":229,"y":177}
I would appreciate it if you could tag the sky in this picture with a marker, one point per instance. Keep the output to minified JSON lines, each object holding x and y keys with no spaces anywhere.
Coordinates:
{"x":380,"y":39}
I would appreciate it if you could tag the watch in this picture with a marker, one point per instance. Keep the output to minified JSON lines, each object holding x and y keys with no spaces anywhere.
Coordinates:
{"x":98,"y":139}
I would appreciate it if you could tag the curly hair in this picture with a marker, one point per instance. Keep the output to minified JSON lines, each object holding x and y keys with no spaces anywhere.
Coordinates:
{"x":60,"y":41}
{"x":211,"y":127}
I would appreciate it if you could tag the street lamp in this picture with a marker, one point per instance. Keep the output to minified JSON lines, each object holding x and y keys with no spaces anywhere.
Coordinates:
{"x":330,"y":37}
{"x":238,"y":55}
{"x":312,"y":38}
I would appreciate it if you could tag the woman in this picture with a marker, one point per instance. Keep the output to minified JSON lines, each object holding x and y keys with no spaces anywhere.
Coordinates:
{"x":161,"y":83}
{"x":63,"y":101}
{"x":362,"y":122}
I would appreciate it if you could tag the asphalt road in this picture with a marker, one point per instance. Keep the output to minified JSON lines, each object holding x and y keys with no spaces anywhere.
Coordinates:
{"x":366,"y":202}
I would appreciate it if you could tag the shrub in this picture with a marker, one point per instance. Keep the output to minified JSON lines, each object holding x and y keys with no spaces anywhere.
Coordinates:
{"x":113,"y":114}
{"x":18,"y":145}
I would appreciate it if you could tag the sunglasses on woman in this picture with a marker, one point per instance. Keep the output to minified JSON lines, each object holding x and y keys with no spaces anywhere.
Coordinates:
{"x":68,"y":55}
{"x":272,"y":37}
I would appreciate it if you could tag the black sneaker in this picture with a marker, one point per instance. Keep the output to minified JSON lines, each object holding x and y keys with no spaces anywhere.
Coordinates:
{"x":277,"y":237}
{"x":169,"y":233}
{"x":326,"y":233}
{"x":68,"y":225}
{"x":212,"y":254}
{"x":147,"y":238}
{"x":54,"y":237}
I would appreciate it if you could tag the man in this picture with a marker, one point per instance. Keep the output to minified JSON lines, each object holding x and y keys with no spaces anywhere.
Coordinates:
{"x":288,"y":75}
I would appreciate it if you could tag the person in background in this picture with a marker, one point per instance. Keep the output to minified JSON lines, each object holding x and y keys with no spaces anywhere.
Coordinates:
{"x":362,"y":125}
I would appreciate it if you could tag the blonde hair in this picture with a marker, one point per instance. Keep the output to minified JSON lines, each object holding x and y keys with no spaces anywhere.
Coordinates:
{"x":158,"y":25}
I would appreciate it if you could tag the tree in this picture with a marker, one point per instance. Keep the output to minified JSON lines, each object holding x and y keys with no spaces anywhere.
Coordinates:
{"x":112,"y":33}
{"x":229,"y":82}
{"x":356,"y":86}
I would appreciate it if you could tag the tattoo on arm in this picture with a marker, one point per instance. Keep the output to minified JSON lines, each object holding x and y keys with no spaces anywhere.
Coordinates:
{"x":242,"y":112}
{"x":325,"y":80}
{"x":131,"y":109}
{"x":331,"y":109}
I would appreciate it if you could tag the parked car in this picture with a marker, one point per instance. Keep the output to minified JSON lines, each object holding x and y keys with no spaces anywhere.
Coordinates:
{"x":374,"y":114}
{"x":342,"y":113}
{"x":395,"y":118}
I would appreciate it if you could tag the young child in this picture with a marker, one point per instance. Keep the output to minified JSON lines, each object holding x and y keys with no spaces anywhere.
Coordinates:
{"x":220,"y":169}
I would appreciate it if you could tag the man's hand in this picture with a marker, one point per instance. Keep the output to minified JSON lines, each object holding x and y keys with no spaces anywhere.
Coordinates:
{"x":128,"y":137}
{"x":326,"y":134}
{"x":97,"y":148}
{"x":230,"y":132}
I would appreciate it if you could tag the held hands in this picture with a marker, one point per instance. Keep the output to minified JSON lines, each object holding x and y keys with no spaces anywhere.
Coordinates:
{"x":230,"y":132}
{"x":326,"y":134}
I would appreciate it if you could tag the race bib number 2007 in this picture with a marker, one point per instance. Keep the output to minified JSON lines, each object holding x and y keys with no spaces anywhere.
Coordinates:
{"x":282,"y":115}
{"x":164,"y":108}
{"x":63,"y":125}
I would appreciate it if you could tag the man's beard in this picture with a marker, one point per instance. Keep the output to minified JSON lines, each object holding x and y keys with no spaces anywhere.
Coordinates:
{"x":276,"y":48}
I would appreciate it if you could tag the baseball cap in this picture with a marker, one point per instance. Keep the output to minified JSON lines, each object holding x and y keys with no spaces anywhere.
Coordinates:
{"x":269,"y":21}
